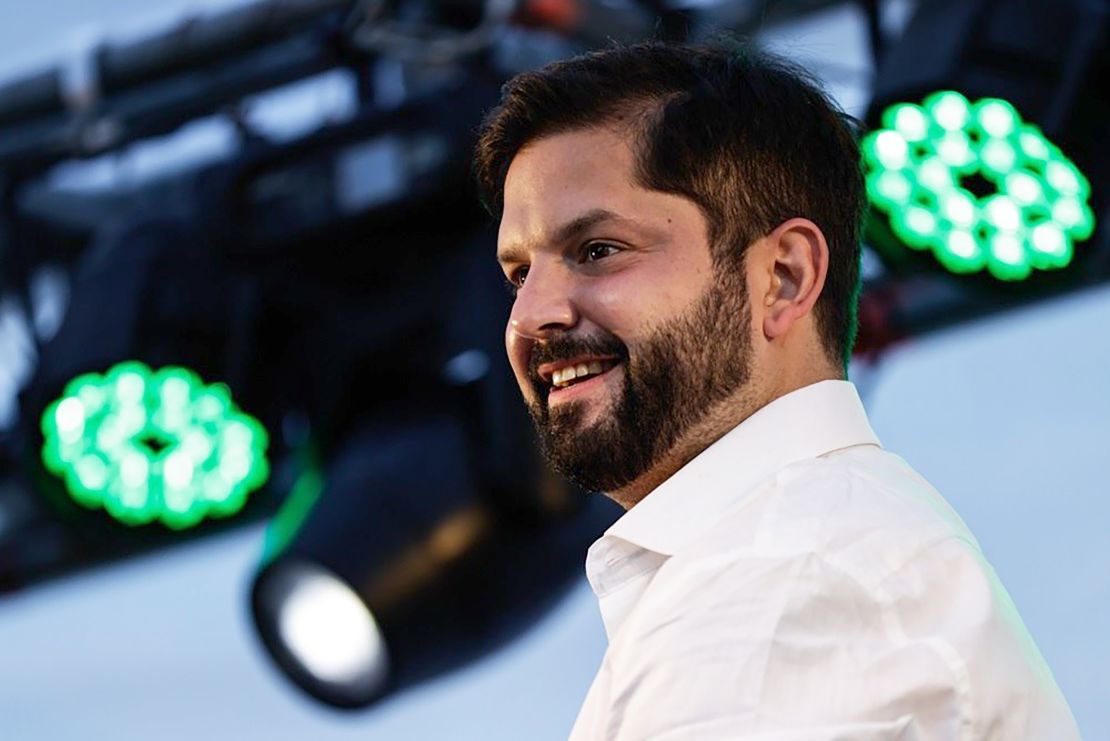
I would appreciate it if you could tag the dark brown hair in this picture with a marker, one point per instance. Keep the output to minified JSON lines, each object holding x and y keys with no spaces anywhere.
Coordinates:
{"x":748,"y":137}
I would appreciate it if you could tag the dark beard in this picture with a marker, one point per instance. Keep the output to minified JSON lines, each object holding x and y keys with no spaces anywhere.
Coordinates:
{"x":681,"y":371}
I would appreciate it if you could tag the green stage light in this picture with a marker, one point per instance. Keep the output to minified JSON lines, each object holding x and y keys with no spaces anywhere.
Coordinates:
{"x":153,"y":445}
{"x":976,"y":186}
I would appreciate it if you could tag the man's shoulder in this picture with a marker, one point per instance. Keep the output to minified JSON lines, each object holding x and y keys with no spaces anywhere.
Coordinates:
{"x":863,"y":510}
{"x":849,"y":581}
{"x":824,"y":547}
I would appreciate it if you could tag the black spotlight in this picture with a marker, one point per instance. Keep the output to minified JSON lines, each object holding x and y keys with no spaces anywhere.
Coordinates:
{"x":403,"y":568}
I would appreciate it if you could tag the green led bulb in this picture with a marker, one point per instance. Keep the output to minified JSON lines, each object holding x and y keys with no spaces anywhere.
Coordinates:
{"x":976,"y":186}
{"x":153,"y":446}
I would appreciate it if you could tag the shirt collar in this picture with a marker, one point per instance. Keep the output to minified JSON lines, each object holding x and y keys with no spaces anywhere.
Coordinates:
{"x":805,"y":423}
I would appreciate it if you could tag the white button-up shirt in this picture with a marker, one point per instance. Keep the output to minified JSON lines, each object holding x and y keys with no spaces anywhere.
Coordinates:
{"x":796,"y":582}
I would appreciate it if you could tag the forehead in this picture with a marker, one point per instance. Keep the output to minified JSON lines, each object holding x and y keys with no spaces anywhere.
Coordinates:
{"x":565,"y":171}
{"x":559,"y":179}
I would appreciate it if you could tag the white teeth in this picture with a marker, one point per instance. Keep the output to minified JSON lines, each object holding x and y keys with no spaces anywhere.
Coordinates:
{"x":563,"y":376}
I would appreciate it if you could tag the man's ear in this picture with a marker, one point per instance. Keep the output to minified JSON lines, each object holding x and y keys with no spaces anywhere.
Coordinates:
{"x":797,"y":258}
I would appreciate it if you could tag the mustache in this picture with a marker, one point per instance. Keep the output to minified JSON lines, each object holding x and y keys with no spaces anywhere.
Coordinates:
{"x":565,"y":347}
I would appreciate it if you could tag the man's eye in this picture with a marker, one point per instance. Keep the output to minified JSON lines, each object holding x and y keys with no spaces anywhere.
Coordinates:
{"x":516,"y":278}
{"x":600,"y":250}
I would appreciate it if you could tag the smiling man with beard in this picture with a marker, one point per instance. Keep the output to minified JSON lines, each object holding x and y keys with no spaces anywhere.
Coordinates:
{"x":681,"y":228}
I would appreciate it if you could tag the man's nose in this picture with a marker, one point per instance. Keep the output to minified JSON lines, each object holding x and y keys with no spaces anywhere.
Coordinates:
{"x":544,"y":304}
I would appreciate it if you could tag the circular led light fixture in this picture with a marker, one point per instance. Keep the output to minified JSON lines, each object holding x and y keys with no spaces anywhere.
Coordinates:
{"x":153,"y":445}
{"x":976,"y":186}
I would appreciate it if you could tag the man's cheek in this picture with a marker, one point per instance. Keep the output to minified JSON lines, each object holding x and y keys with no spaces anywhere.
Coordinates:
{"x":518,"y":350}
{"x":528,"y":390}
{"x":525,"y":386}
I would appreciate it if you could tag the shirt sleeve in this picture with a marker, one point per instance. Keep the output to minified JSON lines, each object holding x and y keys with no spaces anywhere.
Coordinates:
{"x":800,"y":648}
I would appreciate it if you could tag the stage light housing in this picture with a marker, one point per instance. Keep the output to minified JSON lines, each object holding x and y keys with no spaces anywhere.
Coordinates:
{"x":153,"y":446}
{"x":394,"y":562}
{"x":976,"y":186}
{"x":324,"y":634}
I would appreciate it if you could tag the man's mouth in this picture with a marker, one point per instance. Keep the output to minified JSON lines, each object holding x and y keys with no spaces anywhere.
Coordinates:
{"x":573,"y":374}
{"x":563,"y":374}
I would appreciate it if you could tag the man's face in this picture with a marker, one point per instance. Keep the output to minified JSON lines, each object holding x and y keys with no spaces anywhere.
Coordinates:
{"x":623,"y":334}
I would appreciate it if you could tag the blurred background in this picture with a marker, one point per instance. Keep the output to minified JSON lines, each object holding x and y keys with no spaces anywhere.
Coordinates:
{"x":263,"y":469}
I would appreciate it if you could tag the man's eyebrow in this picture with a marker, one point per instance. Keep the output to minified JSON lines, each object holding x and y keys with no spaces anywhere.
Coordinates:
{"x":517,"y":253}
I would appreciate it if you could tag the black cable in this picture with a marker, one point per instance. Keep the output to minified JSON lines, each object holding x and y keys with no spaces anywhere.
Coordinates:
{"x":17,"y":258}
{"x":873,"y":12}
{"x":671,"y":24}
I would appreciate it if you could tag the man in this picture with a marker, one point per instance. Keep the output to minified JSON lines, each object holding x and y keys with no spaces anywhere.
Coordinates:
{"x":681,"y":228}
